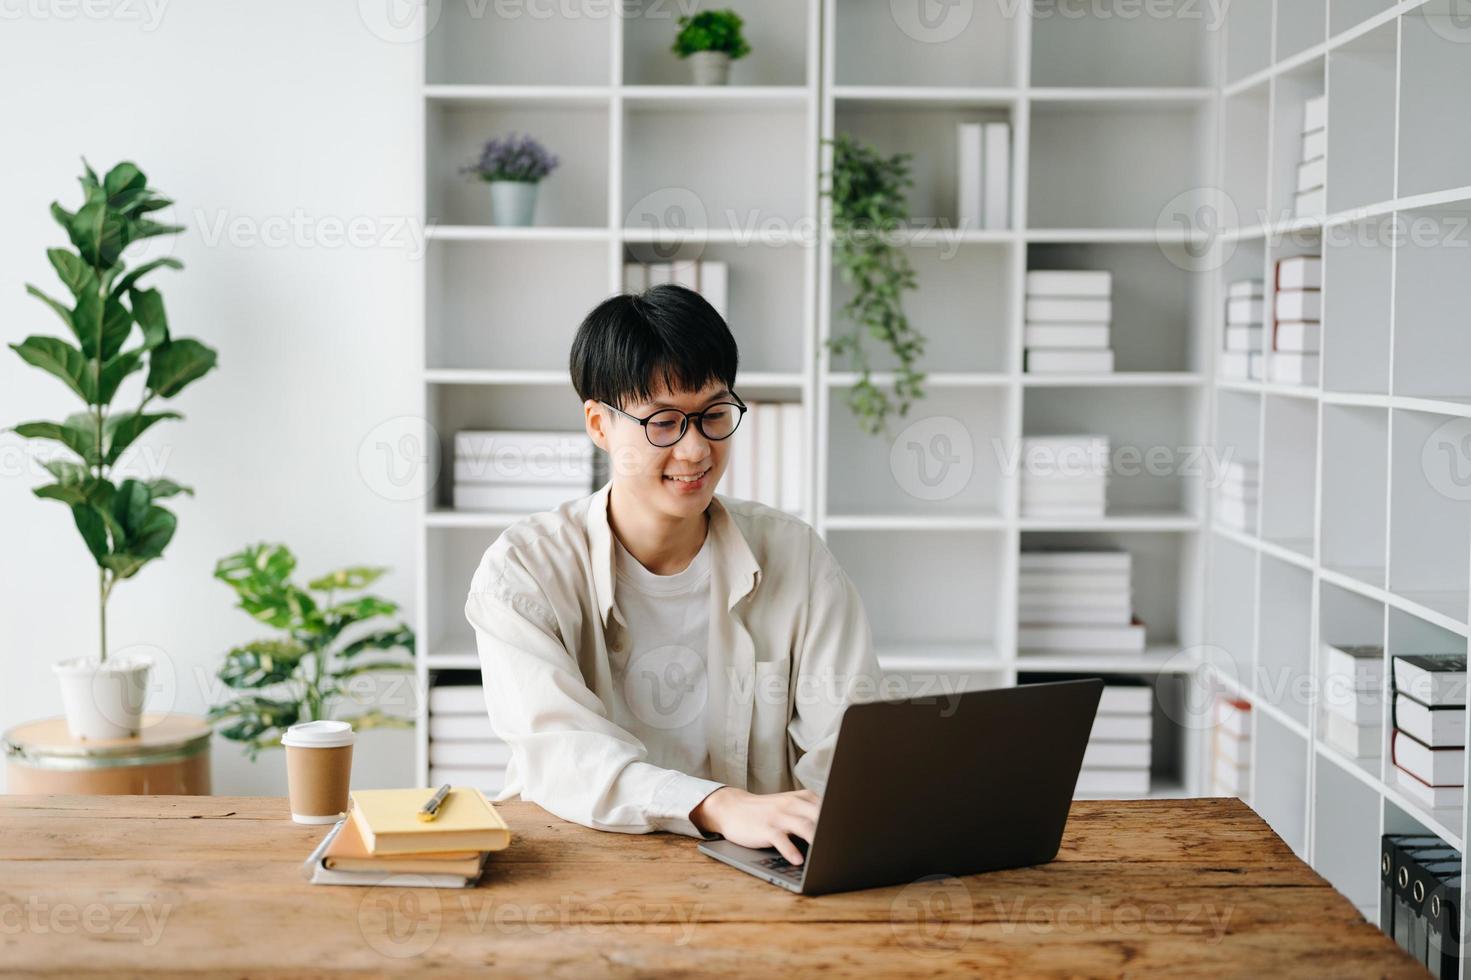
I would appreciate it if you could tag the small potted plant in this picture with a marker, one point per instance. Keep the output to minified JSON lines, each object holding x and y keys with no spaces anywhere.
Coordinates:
{"x":711,"y":40}
{"x":327,"y":639}
{"x":121,"y":523}
{"x":512,"y":167}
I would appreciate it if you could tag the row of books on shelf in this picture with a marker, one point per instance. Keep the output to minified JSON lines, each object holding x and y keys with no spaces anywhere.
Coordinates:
{"x":1311,"y":199}
{"x":1116,"y":763}
{"x":1236,"y":495}
{"x":1296,"y":324}
{"x":1428,"y":745}
{"x":1077,"y":601}
{"x":1230,"y":747}
{"x":766,"y":457}
{"x":1420,"y":893}
{"x":1069,"y":314}
{"x":463,"y":747}
{"x":710,"y":279}
{"x":983,"y":175}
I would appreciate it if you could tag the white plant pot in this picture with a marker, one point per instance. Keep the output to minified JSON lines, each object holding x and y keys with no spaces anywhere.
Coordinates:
{"x":512,"y":202}
{"x":710,"y":67}
{"x":103,"y":700}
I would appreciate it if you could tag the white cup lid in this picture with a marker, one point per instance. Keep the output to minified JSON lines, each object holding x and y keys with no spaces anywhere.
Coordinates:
{"x":318,"y":735}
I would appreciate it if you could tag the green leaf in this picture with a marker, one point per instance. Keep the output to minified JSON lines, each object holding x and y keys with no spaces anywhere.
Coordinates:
{"x":161,"y":488}
{"x":400,"y":637}
{"x":262,"y":663}
{"x":148,"y":311}
{"x":90,"y":523}
{"x":285,"y":608}
{"x":257,"y":568}
{"x":61,"y":359}
{"x":62,"y":216}
{"x":89,"y":179}
{"x":97,"y":233}
{"x":176,"y":364}
{"x":154,"y":534}
{"x":123,"y":177}
{"x":355,"y":577}
{"x":62,"y":311}
{"x":102,"y":324}
{"x":75,"y":274}
{"x":130,"y":507}
{"x":78,"y":433}
{"x":67,"y":472}
{"x":365,"y":607}
{"x":378,"y":665}
{"x":114,"y":371}
{"x":120,"y":431}
{"x":139,"y":229}
{"x":254,"y":716}
{"x":127,"y":282}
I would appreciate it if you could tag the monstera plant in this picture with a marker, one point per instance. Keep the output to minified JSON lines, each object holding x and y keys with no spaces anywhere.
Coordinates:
{"x":327,"y":639}
{"x":116,"y":329}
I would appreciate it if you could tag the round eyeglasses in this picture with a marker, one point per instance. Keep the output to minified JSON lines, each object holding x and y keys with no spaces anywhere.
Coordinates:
{"x":668,"y":425}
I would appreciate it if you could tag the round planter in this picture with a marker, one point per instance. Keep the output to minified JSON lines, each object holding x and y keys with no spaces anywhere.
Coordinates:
{"x":103,"y":700}
{"x":512,"y":202}
{"x":710,"y":67}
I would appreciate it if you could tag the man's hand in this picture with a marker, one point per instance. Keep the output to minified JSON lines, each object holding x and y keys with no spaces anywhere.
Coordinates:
{"x":753,"y":820}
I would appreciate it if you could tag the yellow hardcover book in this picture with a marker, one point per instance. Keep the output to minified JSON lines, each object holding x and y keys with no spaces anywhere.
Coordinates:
{"x":389,"y":823}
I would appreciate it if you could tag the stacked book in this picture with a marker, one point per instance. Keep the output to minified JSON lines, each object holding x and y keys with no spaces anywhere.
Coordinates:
{"x":1242,"y":358}
{"x":1236,"y":495}
{"x":1297,"y":328}
{"x":710,"y":279}
{"x":521,"y":472}
{"x":1312,"y":173}
{"x":1068,"y":317}
{"x":1116,"y":761}
{"x":382,"y":841}
{"x":1077,"y":601}
{"x":1231,"y":747}
{"x":1064,"y":476}
{"x":463,"y":748}
{"x":765,"y":461}
{"x":1429,"y":743}
{"x":983,"y":175}
{"x":1353,"y":677}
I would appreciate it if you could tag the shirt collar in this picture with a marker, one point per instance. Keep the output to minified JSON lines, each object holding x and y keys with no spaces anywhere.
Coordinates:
{"x":730,"y":552}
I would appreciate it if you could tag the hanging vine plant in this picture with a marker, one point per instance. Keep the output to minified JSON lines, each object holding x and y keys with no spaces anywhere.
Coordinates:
{"x":869,"y":211}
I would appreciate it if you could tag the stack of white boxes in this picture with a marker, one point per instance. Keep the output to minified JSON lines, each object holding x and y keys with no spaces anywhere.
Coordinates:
{"x":463,"y":749}
{"x":1116,"y":762}
{"x":983,"y":175}
{"x":1231,"y":748}
{"x":1068,"y":318}
{"x":1242,"y":359}
{"x":1064,"y":476}
{"x":1298,"y":311}
{"x":1236,"y":496}
{"x":710,"y":279}
{"x":1077,"y":601}
{"x":765,"y":459}
{"x":1353,"y":679}
{"x":1312,"y":173}
{"x":521,"y":472}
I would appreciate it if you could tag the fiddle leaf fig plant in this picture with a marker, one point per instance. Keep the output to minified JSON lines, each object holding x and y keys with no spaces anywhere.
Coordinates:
{"x":868,"y":213}
{"x":329,"y":634}
{"x":121,"y":524}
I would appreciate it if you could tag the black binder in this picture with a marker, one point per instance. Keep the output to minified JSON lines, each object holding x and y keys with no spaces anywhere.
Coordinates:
{"x":1389,"y":846}
{"x":1410,"y":888}
{"x":1443,"y":929}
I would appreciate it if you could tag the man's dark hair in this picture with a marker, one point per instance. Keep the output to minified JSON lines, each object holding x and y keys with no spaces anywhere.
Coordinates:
{"x":632,"y":344}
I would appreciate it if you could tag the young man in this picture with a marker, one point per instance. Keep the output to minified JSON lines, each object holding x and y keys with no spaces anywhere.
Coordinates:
{"x":656,"y":657}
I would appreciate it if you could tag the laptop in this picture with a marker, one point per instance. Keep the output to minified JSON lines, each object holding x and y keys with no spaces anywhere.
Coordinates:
{"x":954,"y":785}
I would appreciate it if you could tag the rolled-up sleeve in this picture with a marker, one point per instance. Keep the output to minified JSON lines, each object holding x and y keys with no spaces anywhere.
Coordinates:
{"x":569,"y":757}
{"x":835,"y":666}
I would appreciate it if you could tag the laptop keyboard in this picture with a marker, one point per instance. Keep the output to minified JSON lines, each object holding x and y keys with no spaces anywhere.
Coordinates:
{"x":781,"y":866}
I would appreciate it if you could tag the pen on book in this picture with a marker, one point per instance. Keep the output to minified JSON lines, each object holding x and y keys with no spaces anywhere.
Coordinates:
{"x":430,"y":810}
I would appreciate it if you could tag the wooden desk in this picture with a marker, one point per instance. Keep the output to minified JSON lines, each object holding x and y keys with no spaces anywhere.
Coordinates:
{"x":177,"y":884}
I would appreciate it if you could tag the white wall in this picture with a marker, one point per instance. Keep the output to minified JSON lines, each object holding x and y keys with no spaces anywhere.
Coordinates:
{"x":260,"y":114}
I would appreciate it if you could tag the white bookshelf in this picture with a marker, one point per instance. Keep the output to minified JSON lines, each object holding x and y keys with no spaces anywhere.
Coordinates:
{"x":1359,"y":540}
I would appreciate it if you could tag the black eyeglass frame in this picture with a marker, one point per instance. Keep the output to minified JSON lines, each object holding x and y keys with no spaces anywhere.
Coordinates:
{"x":684,"y":427}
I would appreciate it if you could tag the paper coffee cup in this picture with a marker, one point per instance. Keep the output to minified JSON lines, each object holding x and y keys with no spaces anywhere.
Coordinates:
{"x":318,"y":769}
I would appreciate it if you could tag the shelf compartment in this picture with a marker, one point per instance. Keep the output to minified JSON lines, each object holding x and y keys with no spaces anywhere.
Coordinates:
{"x":941,"y":461}
{"x":879,"y":43}
{"x":1355,"y":487}
{"x":1345,"y":15}
{"x":1432,"y":293}
{"x":1429,"y":522}
{"x":1301,"y":24}
{"x":952,"y":598}
{"x":1358,"y":286}
{"x":1347,"y":618}
{"x":928,"y":135}
{"x":451,"y":557}
{"x":1161,"y":573}
{"x":1238,"y":434}
{"x":1076,"y":149}
{"x":1346,"y":836}
{"x":1283,"y":676}
{"x":766,"y":293}
{"x":1280,"y":774}
{"x":1289,"y":473}
{"x":1291,"y":92}
{"x":1361,"y":119}
{"x":1230,"y":600}
{"x":1248,"y":38}
{"x":509,"y":306}
{"x":1078,"y":45}
{"x":1434,"y":129}
{"x":962,"y":305}
{"x":471,"y":44}
{"x":575,"y":195}
{"x":1156,"y":323}
{"x":1244,"y":155}
{"x":1149,"y":430}
{"x":776,"y":29}
{"x":740,"y":170}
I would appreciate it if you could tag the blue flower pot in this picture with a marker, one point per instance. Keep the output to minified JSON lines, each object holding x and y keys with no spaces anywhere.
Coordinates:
{"x":512,"y":202}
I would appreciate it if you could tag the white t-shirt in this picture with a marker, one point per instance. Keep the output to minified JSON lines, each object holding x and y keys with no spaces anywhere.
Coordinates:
{"x":661,"y":675}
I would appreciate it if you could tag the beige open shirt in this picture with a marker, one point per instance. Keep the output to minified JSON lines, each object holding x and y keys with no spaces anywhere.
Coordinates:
{"x":789,"y":647}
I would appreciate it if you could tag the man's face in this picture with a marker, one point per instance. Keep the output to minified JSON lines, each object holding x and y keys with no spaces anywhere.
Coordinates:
{"x":678,"y":480}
